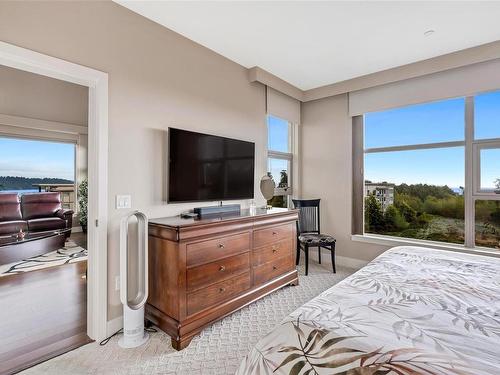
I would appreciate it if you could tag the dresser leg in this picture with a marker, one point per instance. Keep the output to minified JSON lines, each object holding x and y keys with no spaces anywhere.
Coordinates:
{"x":294,"y":283}
{"x":181,"y":344}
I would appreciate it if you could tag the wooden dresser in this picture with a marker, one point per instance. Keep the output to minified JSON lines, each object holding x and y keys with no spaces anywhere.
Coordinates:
{"x":202,"y":270}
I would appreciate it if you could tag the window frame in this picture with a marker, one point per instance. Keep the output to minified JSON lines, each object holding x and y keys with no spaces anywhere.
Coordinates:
{"x":287,"y":156}
{"x":478,"y":146}
{"x":472,"y":171}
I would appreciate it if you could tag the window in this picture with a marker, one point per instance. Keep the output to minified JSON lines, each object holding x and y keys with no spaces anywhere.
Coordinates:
{"x":32,"y":165}
{"x":487,"y":115}
{"x":279,"y":162}
{"x":415,"y":176}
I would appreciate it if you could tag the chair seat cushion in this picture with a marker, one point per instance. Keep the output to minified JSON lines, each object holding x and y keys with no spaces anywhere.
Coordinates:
{"x":316,"y":239}
{"x":12,"y":227}
{"x":48,"y":223}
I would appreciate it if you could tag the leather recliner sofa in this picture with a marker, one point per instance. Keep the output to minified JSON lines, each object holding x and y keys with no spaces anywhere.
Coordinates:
{"x":37,"y":212}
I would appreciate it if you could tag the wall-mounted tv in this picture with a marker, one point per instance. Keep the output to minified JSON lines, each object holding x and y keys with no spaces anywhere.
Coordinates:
{"x":204,"y":167}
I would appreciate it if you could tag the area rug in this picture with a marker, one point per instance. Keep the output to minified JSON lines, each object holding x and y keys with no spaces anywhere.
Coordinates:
{"x":70,"y":253}
{"x":218,"y":349}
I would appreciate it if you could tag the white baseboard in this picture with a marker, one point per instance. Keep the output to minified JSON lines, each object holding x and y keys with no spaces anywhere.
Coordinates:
{"x":114,"y":325}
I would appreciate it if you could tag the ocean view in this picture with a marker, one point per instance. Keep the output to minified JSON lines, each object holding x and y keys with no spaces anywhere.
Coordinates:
{"x":20,"y":192}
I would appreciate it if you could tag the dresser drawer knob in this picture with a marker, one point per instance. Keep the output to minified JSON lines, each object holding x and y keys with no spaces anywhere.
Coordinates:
{"x":222,"y":290}
{"x":275,"y":268}
{"x":221,"y":246}
{"x":275,"y":233}
{"x":275,"y":250}
{"x":222,"y":268}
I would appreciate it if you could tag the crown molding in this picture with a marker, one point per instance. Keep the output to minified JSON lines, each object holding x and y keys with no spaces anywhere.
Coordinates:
{"x":469,"y":56}
{"x":257,"y":74}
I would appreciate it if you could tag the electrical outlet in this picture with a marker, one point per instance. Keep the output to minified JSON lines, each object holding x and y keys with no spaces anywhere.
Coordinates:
{"x":117,"y":283}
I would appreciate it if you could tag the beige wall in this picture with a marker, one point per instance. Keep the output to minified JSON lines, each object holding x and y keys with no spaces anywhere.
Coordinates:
{"x":34,"y":96}
{"x":157,"y":79}
{"x":326,"y":136}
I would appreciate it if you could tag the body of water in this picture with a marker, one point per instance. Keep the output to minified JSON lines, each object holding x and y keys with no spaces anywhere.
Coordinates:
{"x":20,"y":192}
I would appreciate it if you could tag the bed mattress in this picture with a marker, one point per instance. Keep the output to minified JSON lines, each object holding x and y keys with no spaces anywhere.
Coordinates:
{"x":412,"y":310}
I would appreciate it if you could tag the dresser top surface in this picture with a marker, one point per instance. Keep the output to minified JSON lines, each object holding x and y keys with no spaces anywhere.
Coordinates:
{"x":178,"y":222}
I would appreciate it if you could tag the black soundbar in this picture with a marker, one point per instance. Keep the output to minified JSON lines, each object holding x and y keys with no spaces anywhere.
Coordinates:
{"x":217,"y":210}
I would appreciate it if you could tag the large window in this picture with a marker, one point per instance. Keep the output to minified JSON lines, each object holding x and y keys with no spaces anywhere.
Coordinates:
{"x":32,"y":165}
{"x":279,"y":162}
{"x":432,"y":171}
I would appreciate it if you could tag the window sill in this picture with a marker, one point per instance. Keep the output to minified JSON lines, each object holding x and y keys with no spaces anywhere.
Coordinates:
{"x":399,"y":241}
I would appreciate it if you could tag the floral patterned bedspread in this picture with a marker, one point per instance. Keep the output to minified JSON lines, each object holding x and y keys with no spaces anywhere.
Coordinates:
{"x":410,"y":311}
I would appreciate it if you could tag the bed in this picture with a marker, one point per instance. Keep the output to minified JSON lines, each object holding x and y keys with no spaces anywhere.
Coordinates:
{"x":412,"y":310}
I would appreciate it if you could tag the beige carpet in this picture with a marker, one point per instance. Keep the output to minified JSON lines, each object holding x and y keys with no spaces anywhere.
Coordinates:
{"x":217,"y":350}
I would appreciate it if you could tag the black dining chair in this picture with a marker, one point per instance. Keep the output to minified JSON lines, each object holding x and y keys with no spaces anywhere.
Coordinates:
{"x":309,"y":233}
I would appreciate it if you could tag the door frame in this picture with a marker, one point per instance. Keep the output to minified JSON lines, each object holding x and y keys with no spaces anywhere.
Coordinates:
{"x":97,"y":83}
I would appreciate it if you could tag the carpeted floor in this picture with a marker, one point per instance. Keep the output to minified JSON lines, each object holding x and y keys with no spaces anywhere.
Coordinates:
{"x":217,"y":350}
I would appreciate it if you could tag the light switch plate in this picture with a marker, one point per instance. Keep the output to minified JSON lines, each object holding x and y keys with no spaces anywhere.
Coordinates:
{"x":123,"y":201}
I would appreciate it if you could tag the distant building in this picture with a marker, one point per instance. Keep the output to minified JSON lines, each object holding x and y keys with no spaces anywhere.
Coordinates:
{"x":383,"y":192}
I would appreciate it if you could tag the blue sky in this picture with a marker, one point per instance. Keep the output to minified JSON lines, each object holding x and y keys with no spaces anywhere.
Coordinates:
{"x":278,"y":134}
{"x":428,"y":123}
{"x":277,"y":141}
{"x":27,"y":158}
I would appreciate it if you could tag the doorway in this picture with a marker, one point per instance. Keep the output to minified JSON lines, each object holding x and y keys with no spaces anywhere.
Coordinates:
{"x":95,"y":284}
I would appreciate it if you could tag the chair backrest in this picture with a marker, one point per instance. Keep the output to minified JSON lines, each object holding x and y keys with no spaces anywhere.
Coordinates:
{"x":40,"y":205}
{"x":10,"y":208}
{"x":308,"y":215}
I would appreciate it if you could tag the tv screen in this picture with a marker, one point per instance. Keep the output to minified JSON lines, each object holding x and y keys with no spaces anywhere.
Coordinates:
{"x":205,"y":167}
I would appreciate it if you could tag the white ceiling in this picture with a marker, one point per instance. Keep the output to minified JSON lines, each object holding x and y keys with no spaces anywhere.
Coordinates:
{"x":311,"y":44}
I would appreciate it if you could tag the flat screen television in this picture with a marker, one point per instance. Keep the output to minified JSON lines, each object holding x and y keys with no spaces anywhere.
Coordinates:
{"x":204,"y":167}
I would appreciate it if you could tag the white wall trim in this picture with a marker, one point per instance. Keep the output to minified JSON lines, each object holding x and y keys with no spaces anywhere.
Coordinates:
{"x":97,"y":82}
{"x":398,"y":241}
{"x":33,"y":123}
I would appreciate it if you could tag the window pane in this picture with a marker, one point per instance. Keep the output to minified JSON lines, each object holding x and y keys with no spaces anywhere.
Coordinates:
{"x":27,"y":166}
{"x":418,"y":124}
{"x":490,"y":168}
{"x":279,"y":134}
{"x":416,"y":194}
{"x":280,"y":172}
{"x":487,"y":115}
{"x":488,"y":223}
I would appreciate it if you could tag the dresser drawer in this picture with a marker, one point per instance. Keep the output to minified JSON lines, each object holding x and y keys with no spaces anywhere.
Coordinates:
{"x":206,"y":274}
{"x":208,"y":251}
{"x":217,"y":293}
{"x":272,"y":234}
{"x":272,"y":252}
{"x":270,"y":270}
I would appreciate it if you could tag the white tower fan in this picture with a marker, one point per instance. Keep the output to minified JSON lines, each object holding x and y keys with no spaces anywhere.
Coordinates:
{"x":133,"y":306}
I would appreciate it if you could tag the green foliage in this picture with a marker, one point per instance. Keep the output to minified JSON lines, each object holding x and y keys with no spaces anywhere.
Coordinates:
{"x":408,"y":212}
{"x":25,"y":183}
{"x":83,"y":193}
{"x":393,"y":219}
{"x":422,"y":191}
{"x":277,"y":201}
{"x":283,"y":179}
{"x":374,"y":217}
{"x":414,"y":202}
{"x":433,"y":213}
